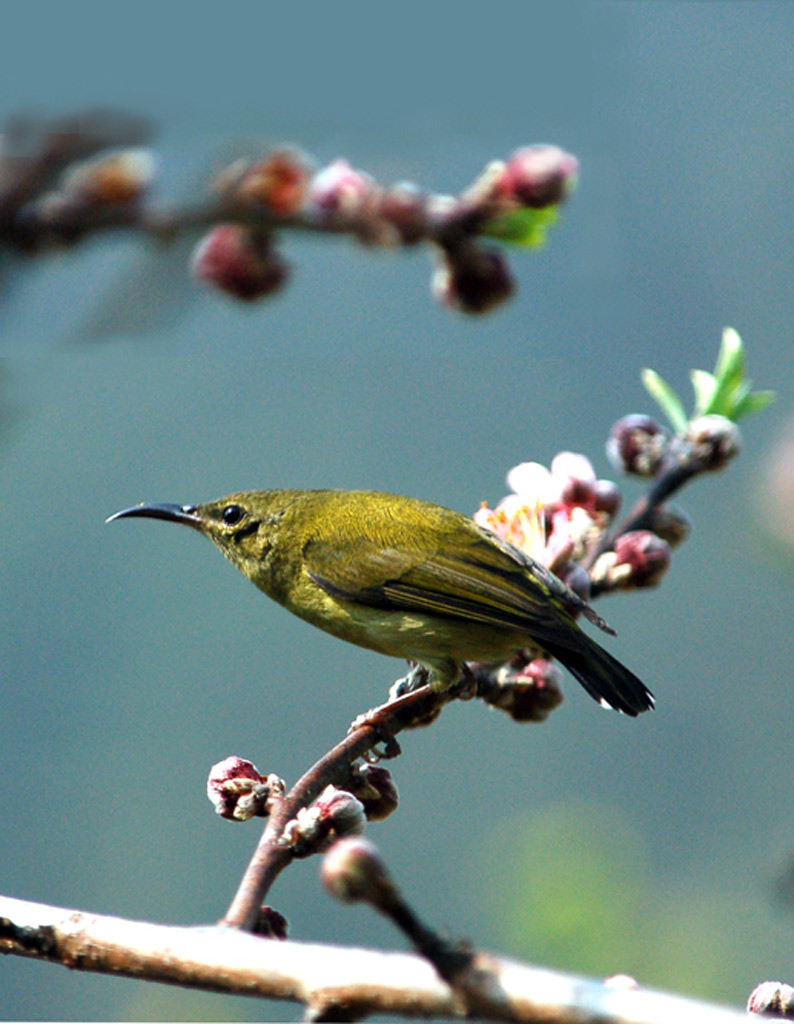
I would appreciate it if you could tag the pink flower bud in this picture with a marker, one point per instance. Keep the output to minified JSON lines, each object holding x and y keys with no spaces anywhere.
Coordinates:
{"x":353,"y":871}
{"x":239,"y":792}
{"x":235,"y":260}
{"x":539,"y":176}
{"x":471,"y":278}
{"x":637,"y":444}
{"x":715,"y":441}
{"x":645,"y":555}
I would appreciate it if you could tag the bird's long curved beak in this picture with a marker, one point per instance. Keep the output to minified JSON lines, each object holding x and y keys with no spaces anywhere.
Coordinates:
{"x":185,"y":514}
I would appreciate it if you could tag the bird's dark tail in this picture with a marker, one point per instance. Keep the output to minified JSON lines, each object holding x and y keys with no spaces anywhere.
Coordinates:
{"x":604,"y":678}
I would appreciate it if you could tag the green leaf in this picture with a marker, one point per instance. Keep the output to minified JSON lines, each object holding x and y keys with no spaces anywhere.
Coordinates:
{"x":731,"y":360}
{"x":730,"y":375}
{"x":667,"y":400}
{"x":754,"y":401}
{"x":705,"y":387}
{"x":526,"y":227}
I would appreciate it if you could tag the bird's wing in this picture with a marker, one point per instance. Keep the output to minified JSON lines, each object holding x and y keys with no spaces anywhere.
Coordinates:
{"x":479,"y":582}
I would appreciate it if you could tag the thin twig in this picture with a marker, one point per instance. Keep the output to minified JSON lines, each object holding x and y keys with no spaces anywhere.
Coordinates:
{"x":272,"y":854}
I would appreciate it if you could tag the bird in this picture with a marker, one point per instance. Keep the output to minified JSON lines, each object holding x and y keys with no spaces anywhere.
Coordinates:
{"x":409,"y":579}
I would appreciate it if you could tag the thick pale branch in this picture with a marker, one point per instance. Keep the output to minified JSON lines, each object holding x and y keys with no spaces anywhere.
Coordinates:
{"x":329,"y":978}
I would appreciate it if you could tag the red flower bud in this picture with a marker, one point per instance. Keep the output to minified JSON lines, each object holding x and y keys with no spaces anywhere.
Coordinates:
{"x":239,"y":792}
{"x":236,"y":260}
{"x":646,"y":556}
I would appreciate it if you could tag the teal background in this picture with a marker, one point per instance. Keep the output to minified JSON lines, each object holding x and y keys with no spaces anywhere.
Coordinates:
{"x":132,"y":657}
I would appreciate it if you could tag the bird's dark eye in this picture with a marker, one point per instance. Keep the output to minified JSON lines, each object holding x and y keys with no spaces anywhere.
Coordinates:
{"x":232,"y":515}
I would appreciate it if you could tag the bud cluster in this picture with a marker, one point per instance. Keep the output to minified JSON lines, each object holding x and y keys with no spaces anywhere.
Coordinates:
{"x":562,"y":517}
{"x":639,"y":445}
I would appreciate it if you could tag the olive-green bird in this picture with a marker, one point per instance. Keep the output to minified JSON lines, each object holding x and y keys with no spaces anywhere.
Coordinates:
{"x":408,"y":579}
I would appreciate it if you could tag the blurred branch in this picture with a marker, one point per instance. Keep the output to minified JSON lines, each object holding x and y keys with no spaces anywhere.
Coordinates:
{"x":334,"y":982}
{"x":65,"y":180}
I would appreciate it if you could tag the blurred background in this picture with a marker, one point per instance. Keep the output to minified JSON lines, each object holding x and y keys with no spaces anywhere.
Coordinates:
{"x":132,"y":657}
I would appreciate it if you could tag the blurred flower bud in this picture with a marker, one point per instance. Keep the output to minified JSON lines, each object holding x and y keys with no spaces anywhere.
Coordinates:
{"x":376,"y":789}
{"x":341,"y":812}
{"x":402,"y":207}
{"x":637,"y":444}
{"x":271,"y":924}
{"x":772,"y":999}
{"x":576,"y":578}
{"x":715,"y":440}
{"x":353,"y":871}
{"x":122,"y":176}
{"x":607,"y":498}
{"x":670,"y":522}
{"x":340,"y":189}
{"x":641,"y":559}
{"x":240,"y":262}
{"x":471,"y":278}
{"x":539,"y":176}
{"x":278,"y":182}
{"x":238,"y":791}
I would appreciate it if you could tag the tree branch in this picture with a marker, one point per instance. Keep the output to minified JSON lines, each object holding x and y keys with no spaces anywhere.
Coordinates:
{"x":334,"y":982}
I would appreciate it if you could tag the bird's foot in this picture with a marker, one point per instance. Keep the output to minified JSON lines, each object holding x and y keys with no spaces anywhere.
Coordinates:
{"x":418,"y":677}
